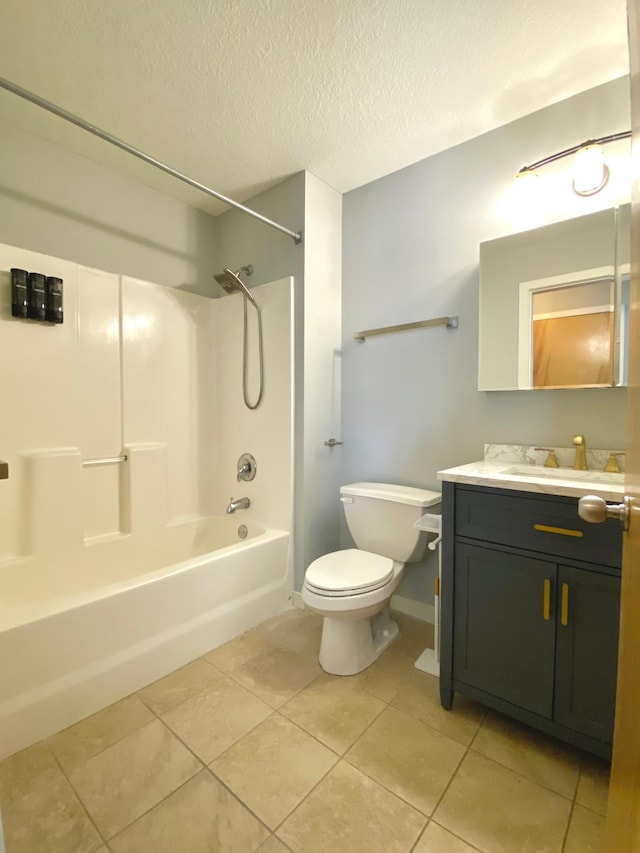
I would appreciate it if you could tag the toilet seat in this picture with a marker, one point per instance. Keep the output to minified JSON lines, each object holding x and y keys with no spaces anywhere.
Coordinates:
{"x":349,"y":572}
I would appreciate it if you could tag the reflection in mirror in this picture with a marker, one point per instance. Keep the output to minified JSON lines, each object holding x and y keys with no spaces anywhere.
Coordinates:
{"x":554,"y":304}
{"x":568,"y":335}
{"x":573,"y":345}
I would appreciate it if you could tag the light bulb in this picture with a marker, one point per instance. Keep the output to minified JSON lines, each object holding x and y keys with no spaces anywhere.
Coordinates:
{"x":590,"y":171}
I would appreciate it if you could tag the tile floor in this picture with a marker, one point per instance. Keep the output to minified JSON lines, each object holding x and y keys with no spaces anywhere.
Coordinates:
{"x":253,"y":748}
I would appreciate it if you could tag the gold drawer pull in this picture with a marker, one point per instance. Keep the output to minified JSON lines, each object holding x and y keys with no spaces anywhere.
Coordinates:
{"x":563,"y":531}
{"x":546,"y":604}
{"x":564,"y":606}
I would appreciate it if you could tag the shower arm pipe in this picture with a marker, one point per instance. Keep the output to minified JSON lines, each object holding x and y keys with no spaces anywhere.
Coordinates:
{"x":135,"y":152}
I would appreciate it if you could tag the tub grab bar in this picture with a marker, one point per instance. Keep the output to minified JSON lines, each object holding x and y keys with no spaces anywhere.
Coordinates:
{"x":104,"y":460}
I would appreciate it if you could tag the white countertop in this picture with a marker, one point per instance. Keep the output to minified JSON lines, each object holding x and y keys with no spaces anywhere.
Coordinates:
{"x":536,"y":478}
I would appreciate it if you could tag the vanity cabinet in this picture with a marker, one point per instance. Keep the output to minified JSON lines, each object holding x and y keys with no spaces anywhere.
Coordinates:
{"x":530,"y":603}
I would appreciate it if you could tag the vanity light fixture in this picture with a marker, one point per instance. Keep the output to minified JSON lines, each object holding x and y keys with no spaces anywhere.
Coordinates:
{"x":590,"y":172}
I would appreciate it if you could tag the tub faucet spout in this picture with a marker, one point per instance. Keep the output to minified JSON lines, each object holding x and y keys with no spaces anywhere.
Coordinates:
{"x":241,"y":503}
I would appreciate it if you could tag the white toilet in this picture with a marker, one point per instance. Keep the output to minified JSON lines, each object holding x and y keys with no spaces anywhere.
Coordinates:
{"x":352,"y":588}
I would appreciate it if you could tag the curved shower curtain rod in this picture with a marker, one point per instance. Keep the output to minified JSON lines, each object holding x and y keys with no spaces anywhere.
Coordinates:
{"x":135,"y":152}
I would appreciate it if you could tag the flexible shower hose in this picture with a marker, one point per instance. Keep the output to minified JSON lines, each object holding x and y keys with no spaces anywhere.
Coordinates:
{"x":245,"y":348}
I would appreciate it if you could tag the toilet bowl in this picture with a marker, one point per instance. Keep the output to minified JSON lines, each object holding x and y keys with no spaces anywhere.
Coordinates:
{"x":351,"y":589}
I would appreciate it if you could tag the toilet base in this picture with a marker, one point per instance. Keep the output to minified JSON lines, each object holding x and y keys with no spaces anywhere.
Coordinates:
{"x":350,"y":645}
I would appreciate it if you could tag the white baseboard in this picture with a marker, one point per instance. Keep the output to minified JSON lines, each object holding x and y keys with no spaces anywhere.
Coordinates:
{"x":423,"y":612}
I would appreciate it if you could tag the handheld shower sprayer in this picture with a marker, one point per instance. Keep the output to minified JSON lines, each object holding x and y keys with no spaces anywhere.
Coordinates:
{"x":230,"y":281}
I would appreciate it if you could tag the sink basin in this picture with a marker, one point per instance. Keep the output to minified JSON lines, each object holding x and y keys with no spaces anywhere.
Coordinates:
{"x":564,"y":474}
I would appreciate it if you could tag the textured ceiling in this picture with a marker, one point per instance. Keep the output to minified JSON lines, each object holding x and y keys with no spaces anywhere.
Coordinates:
{"x":242,"y":93}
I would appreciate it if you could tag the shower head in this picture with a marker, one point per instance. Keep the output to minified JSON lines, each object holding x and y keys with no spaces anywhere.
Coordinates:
{"x":231,"y":283}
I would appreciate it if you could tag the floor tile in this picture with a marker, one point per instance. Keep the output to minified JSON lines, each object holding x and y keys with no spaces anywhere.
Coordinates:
{"x":348,"y":811}
{"x":386,"y":676}
{"x":420,"y":698}
{"x":334,"y":710}
{"x":301,"y":632}
{"x":26,"y":770}
{"x":498,"y":811}
{"x":586,"y":832}
{"x":78,"y":743}
{"x":199,"y":817}
{"x":291,"y":619}
{"x":294,"y":629}
{"x":50,"y":819}
{"x":530,"y":753}
{"x":435,"y":839}
{"x":277,"y":675}
{"x":410,"y":759}
{"x":120,"y":783}
{"x":239,"y":651}
{"x":273,"y":768}
{"x":273,"y":845}
{"x":213,"y":720}
{"x":593,"y":787}
{"x":167,"y":692}
{"x":415,"y":635}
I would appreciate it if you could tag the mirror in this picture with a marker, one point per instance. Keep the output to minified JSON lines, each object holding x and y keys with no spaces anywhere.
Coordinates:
{"x":554,"y":305}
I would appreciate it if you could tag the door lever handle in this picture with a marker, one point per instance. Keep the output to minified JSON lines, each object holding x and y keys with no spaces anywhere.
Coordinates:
{"x":333,"y":442}
{"x":595,"y":510}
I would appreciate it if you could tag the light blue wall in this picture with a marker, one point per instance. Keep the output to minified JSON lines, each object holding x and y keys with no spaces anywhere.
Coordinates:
{"x":410,"y":404}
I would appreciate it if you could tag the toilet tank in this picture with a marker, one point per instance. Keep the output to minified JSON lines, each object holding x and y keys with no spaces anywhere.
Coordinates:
{"x":381,"y":517}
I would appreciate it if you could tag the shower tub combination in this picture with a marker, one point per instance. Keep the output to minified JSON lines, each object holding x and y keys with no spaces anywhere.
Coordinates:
{"x":75,"y":638}
{"x":83,"y":629}
{"x":118,"y":564}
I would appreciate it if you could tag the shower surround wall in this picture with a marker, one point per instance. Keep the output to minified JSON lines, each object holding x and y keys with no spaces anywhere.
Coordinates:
{"x":154,"y":373}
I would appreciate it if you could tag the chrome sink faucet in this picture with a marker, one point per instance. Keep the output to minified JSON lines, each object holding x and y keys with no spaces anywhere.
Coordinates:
{"x":241,"y":503}
{"x":581,"y":453}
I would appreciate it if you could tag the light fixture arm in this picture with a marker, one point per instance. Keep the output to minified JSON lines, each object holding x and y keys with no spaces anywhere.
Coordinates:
{"x":602,"y":140}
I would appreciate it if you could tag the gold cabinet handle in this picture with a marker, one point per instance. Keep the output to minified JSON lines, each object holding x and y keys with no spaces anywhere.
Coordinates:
{"x":564,"y":605}
{"x":546,"y":602}
{"x":561,"y":531}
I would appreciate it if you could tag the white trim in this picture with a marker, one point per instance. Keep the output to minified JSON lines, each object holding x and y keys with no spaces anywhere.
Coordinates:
{"x":575,"y":312}
{"x":417,"y":609}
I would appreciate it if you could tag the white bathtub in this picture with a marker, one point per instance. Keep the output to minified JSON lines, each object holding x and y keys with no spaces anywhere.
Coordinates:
{"x":72,"y":642}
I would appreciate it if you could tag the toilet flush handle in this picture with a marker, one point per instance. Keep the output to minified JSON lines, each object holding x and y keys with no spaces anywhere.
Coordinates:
{"x":346,"y":500}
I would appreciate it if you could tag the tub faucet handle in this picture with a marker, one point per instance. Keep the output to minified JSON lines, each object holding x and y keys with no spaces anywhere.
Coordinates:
{"x":247,"y":467}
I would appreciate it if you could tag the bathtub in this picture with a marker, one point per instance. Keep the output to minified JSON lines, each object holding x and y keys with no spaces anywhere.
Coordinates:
{"x":81,"y":633}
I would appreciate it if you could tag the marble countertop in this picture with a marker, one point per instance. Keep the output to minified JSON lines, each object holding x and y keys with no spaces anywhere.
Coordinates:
{"x":522,"y":477}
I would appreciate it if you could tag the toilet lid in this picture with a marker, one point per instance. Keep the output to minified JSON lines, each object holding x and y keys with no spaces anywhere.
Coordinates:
{"x":348,"y":572}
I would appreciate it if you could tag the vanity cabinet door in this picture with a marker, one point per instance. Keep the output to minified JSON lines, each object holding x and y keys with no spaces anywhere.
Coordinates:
{"x":504,"y":627}
{"x":588,"y":615}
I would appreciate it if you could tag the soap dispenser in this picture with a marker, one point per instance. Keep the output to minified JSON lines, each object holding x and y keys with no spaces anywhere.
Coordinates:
{"x":36,"y":297}
{"x":54,"y":313}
